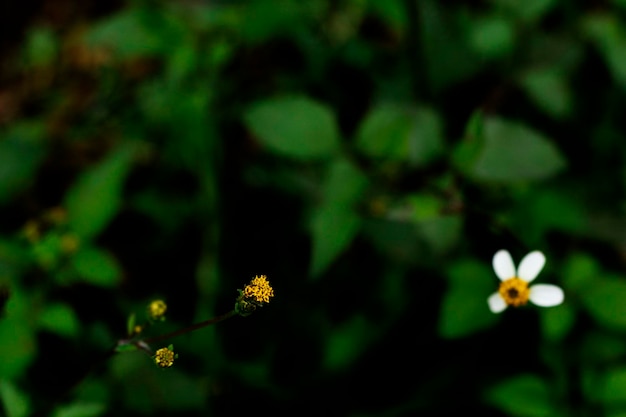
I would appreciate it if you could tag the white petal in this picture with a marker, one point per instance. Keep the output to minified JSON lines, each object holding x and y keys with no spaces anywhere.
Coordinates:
{"x":546,"y":295}
{"x":496,"y":303}
{"x":531,"y":266}
{"x":503,"y":265}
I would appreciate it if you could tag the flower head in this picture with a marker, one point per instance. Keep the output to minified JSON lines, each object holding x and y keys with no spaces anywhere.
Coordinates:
{"x":164,"y":357}
{"x":253,"y":295}
{"x":157,"y":309}
{"x":514,"y":289}
{"x":258,"y":290}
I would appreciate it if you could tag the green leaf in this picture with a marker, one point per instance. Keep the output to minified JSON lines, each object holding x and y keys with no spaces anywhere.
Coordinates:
{"x":608,"y":35}
{"x":580,"y":271}
{"x":614,"y":387}
{"x":96,"y":267}
{"x":333,"y":228}
{"x":549,"y":90}
{"x":528,"y":10}
{"x":513,"y":152}
{"x":335,"y":223}
{"x":20,"y":352}
{"x":492,"y":36}
{"x":522,"y":396}
{"x":14,"y":401}
{"x":136,"y":32}
{"x":464,"y":309}
{"x":21,"y":153}
{"x":96,"y":196}
{"x":130,"y":324}
{"x":401,"y":134}
{"x":297,"y":127}
{"x":441,"y":233}
{"x":346,"y":343}
{"x":60,"y":319}
{"x":604,"y":300}
{"x":556,"y":322}
{"x":41,"y":47}
{"x":80,"y":409}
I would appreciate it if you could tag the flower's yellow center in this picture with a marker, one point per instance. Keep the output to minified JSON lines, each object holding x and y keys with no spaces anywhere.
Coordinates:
{"x":164,"y":357}
{"x":259,"y":290}
{"x":514,"y":291}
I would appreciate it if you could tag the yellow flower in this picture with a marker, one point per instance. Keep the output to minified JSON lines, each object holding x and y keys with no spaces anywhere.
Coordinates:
{"x":258,"y":290}
{"x":253,"y":295}
{"x":164,"y":357}
{"x":157,"y":309}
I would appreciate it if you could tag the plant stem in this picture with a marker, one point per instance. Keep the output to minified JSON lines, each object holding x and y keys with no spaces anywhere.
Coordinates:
{"x":190,"y":328}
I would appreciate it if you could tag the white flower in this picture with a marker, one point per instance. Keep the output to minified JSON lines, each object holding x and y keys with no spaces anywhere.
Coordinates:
{"x":514,"y":289}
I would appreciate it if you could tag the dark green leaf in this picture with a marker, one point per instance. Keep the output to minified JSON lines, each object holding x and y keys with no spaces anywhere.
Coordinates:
{"x":403,"y":134}
{"x":464,"y":309}
{"x":59,"y":318}
{"x":604,"y":300}
{"x":96,"y":197}
{"x":297,"y":127}
{"x":15,"y":402}
{"x":522,"y":396}
{"x":97,"y":267}
{"x":21,"y":152}
{"x":513,"y":152}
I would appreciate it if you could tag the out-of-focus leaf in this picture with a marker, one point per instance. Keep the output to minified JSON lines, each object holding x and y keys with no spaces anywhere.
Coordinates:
{"x":549,"y":90}
{"x":332,"y":229}
{"x":392,"y":12}
{"x":464,"y":308}
{"x":608,"y":34}
{"x":448,"y":56}
{"x":263,"y":19}
{"x":96,"y":196}
{"x":544,"y":211}
{"x":41,"y":47}
{"x":580,"y":271}
{"x":492,"y":36}
{"x":556,"y":322}
{"x":528,"y":10}
{"x":60,"y":319}
{"x":510,"y":152}
{"x":80,"y":409}
{"x":604,"y":300}
{"x":346,"y":343}
{"x":96,"y":267}
{"x":614,"y":388}
{"x":296,"y":127}
{"x":130,"y":324}
{"x":441,"y":233}
{"x":141,"y":381}
{"x":15,"y":402}
{"x":522,"y":396}
{"x":391,"y":132}
{"x":136,"y":32}
{"x":335,"y":222}
{"x":21,"y":152}
{"x":18,"y":347}
{"x":344,"y":184}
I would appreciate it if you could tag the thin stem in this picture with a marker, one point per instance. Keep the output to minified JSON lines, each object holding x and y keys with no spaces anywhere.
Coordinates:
{"x":190,"y":328}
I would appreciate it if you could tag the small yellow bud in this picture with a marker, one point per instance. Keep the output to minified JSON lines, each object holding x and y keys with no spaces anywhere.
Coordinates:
{"x":157,"y":309}
{"x":164,"y":357}
{"x":56,"y":215}
{"x":31,"y":231}
{"x":69,"y":243}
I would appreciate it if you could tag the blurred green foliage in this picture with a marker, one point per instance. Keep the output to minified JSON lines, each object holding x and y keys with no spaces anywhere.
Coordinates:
{"x":370,"y":157}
